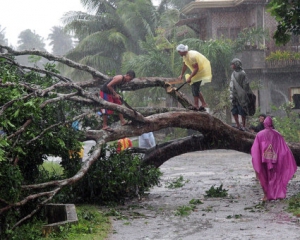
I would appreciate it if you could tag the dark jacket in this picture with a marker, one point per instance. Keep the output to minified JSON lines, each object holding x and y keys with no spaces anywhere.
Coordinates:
{"x":258,"y":128}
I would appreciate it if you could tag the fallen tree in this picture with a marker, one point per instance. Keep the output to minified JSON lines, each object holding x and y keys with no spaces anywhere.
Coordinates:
{"x":32,"y":129}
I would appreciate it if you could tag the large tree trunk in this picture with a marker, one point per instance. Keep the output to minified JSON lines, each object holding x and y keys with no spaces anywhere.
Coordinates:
{"x":213,"y":133}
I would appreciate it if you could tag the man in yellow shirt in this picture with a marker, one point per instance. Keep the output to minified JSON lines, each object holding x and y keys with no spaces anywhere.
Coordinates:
{"x":200,"y":69}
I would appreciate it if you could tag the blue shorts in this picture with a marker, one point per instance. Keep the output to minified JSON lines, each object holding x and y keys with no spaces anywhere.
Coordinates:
{"x":196,"y":88}
{"x":238,"y":110}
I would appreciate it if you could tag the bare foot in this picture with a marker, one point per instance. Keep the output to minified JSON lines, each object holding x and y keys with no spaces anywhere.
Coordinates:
{"x":264,"y":199}
{"x":126,"y":123}
{"x":107,"y":128}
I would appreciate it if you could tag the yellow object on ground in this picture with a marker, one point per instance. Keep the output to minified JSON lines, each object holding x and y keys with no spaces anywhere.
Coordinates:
{"x":80,"y":153}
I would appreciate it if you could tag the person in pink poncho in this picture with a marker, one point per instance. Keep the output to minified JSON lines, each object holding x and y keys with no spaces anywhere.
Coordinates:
{"x":272,"y":161}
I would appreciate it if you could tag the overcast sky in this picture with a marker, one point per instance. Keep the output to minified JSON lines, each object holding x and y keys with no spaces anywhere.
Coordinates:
{"x":37,"y":15}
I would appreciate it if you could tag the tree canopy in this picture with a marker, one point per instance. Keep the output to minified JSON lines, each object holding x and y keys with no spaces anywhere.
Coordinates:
{"x":287,"y":14}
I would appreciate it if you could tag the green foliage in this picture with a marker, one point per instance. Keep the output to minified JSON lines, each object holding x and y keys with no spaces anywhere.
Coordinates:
{"x":32,"y":131}
{"x":116,"y":214}
{"x":50,"y":171}
{"x":286,"y":14}
{"x":195,"y":201}
{"x":216,"y":192}
{"x":92,"y":224}
{"x":294,"y":205}
{"x":177,"y":183}
{"x":32,"y":231}
{"x":10,"y":182}
{"x":24,"y":108}
{"x":288,"y":125}
{"x":251,"y":37}
{"x":184,"y":210}
{"x":111,"y":178}
{"x":283,"y":56}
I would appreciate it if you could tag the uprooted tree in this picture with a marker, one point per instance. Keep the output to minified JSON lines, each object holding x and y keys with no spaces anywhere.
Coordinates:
{"x":38,"y":107}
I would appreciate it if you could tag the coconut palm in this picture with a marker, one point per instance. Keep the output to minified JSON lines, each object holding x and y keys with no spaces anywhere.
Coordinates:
{"x":61,"y":42}
{"x":29,"y":40}
{"x":108,"y":30}
{"x":3,"y":40}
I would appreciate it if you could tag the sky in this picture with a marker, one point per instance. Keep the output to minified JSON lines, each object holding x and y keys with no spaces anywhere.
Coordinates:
{"x":37,"y":15}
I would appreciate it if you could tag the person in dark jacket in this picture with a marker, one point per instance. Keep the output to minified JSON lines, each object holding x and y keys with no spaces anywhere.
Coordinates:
{"x":239,"y":87}
{"x":260,"y":125}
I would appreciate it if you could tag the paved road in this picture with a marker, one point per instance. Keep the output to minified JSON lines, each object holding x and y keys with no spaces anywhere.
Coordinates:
{"x":241,"y":215}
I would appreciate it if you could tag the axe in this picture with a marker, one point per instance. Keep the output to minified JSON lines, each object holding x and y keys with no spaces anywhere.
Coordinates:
{"x":180,"y":86}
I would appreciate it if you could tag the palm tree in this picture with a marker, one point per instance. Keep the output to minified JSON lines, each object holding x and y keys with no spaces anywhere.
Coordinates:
{"x":114,"y":28}
{"x":61,"y":42}
{"x":3,"y":40}
{"x":29,"y":40}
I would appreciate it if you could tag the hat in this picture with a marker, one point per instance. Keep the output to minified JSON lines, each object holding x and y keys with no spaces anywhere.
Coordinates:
{"x":182,"y":48}
{"x":237,"y":63}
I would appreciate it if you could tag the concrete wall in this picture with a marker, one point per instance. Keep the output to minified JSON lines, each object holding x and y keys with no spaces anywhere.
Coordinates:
{"x":274,"y":88}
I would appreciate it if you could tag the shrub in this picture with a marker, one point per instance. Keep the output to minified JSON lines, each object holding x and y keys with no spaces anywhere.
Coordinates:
{"x":112,"y":178}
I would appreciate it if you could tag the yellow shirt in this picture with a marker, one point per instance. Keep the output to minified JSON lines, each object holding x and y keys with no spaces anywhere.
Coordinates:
{"x":204,"y":72}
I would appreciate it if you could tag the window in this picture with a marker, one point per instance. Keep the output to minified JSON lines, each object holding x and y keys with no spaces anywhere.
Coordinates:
{"x":234,"y":32}
{"x":295,"y":97}
{"x":231,"y":33}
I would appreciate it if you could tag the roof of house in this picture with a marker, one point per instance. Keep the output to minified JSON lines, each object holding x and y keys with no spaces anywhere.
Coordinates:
{"x":194,"y":7}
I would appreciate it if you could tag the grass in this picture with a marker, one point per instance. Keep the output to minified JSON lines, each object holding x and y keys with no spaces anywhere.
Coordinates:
{"x":92,"y":225}
{"x":52,"y":167}
{"x":294,"y":205}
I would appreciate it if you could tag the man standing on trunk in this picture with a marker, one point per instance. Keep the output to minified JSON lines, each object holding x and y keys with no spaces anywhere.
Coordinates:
{"x":109,"y":93}
{"x":239,"y":87}
{"x":200,"y":69}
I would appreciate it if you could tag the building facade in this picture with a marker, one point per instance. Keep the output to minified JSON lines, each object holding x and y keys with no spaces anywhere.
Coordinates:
{"x":279,"y":78}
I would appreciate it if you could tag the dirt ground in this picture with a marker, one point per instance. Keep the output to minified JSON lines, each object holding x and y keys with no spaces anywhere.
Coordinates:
{"x":241,"y":215}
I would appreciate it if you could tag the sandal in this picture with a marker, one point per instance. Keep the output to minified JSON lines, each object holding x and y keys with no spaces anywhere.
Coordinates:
{"x":192,"y":108}
{"x":202,"y":109}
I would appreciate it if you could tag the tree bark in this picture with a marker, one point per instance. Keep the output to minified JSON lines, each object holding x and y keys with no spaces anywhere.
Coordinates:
{"x":213,"y":133}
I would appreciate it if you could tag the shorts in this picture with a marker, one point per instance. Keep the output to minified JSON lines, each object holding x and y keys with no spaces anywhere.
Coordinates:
{"x":238,"y":110}
{"x":110,"y":98}
{"x":196,"y":89}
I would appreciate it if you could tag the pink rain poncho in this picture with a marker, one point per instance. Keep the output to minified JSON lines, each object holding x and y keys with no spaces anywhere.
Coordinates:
{"x":273,"y":161}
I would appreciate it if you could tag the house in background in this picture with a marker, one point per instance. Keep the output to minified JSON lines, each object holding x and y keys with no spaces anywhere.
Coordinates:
{"x":279,"y":79}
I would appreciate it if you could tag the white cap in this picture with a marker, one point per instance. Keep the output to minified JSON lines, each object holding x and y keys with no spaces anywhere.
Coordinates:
{"x":182,"y":48}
